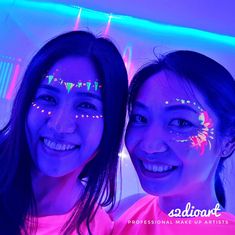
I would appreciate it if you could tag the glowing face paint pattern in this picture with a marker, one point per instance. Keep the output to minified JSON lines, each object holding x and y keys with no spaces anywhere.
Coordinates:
{"x":202,"y":139}
{"x":69,"y":85}
{"x":44,"y":111}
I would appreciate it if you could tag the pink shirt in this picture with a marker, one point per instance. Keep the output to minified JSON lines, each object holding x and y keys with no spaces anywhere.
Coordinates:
{"x":145,"y":217}
{"x":51,"y":225}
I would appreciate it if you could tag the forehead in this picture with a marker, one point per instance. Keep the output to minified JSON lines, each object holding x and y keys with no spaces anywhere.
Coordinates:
{"x":74,"y":69}
{"x":167,"y":86}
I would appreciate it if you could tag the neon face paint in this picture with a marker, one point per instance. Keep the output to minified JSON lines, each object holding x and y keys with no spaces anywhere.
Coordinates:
{"x":49,"y":113}
{"x":70,"y":85}
{"x":203,"y":136}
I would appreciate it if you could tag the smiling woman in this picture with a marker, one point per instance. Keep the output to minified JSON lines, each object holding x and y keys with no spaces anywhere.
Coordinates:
{"x":181,"y":129}
{"x":59,"y":151}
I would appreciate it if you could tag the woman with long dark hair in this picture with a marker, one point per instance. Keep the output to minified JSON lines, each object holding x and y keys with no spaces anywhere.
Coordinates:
{"x":181,"y":130}
{"x":59,"y":150}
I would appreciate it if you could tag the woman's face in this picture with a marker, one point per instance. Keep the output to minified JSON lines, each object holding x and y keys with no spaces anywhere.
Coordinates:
{"x":171,"y":137}
{"x":65,"y":124}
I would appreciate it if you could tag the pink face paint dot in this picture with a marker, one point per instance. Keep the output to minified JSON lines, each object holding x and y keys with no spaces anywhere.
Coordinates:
{"x":49,"y":113}
{"x":42,"y":110}
{"x":38,"y":107}
{"x":76,"y":116}
{"x":166,"y":102}
{"x":82,"y":116}
{"x":87,"y":116}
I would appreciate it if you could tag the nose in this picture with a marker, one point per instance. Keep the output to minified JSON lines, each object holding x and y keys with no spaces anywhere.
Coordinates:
{"x":62,"y":121}
{"x":153,"y":141}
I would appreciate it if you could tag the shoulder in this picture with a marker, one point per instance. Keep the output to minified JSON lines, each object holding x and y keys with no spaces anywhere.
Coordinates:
{"x":125,"y":204}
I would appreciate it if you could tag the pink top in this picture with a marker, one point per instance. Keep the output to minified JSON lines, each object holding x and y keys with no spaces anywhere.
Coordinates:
{"x":51,"y":225}
{"x":145,"y":217}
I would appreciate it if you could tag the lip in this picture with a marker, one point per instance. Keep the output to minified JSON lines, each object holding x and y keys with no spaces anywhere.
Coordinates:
{"x":151,"y":174}
{"x":55,"y":152}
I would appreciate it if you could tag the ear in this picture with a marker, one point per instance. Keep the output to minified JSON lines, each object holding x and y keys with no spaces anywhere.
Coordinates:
{"x":228,"y":147}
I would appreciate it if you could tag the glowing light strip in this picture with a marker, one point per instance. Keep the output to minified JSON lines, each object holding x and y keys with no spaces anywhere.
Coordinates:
{"x":3,"y":75}
{"x":8,"y":76}
{"x":108,"y":25}
{"x":78,"y":19}
{"x":132,"y":22}
{"x":9,"y":94}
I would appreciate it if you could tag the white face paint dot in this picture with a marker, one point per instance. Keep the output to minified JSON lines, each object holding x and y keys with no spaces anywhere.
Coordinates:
{"x":76,"y":116}
{"x":38,"y":107}
{"x":82,"y":116}
{"x":87,"y":116}
{"x":166,"y":102}
{"x":42,"y":110}
{"x":49,"y":113}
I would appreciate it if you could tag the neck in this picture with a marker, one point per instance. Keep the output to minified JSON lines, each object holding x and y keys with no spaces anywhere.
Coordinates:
{"x":56,"y":195}
{"x":201,"y":197}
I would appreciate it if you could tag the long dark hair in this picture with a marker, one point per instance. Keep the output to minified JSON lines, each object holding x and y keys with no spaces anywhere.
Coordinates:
{"x":16,"y":193}
{"x":214,"y":82}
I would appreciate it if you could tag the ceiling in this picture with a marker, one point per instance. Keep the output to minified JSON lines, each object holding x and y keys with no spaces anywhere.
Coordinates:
{"x":210,"y":15}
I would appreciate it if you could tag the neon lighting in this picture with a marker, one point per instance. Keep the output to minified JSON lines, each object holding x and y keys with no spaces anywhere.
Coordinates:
{"x":9,"y":94}
{"x":132,"y":23}
{"x":108,"y":25}
{"x":127,"y":58}
{"x":78,"y":19}
{"x":3,"y":77}
{"x":8,"y":76}
{"x":49,"y":113}
{"x":70,"y":85}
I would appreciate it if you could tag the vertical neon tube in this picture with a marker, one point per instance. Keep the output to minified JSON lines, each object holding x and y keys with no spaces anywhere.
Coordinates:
{"x":8,"y":76}
{"x":3,"y":77}
{"x":13,"y":82}
{"x":108,"y":25}
{"x":78,"y":19}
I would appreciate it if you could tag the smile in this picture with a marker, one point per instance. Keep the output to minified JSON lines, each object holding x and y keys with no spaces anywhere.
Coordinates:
{"x":58,"y":146}
{"x":155,"y":167}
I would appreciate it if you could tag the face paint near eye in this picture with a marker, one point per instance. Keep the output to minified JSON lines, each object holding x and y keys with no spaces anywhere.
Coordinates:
{"x":44,"y":111}
{"x":201,"y":139}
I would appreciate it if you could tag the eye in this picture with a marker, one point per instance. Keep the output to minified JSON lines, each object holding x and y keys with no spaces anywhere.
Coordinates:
{"x":47,"y":98}
{"x":138,"y":119}
{"x":87,"y":105}
{"x":180,"y":123}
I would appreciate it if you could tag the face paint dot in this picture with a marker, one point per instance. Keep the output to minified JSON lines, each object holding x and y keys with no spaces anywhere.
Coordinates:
{"x":101,"y":116}
{"x":38,"y":107}
{"x":166,"y":102}
{"x":182,"y":101}
{"x":87,"y":116}
{"x":42,"y":110}
{"x":188,"y":101}
{"x":76,"y":116}
{"x":93,"y":116}
{"x":49,"y":113}
{"x":82,"y":116}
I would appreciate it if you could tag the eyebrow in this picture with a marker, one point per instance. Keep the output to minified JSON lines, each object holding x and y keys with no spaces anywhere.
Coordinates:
{"x":168,"y":108}
{"x":83,"y":94}
{"x":180,"y":107}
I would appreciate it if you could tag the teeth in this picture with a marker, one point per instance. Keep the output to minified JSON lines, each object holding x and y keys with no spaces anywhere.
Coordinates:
{"x":156,"y":167}
{"x":58,"y":146}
